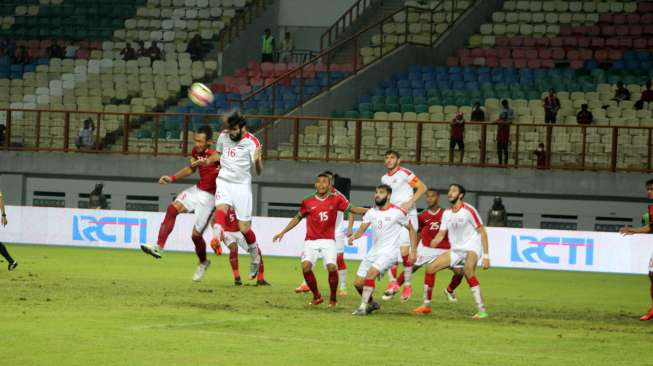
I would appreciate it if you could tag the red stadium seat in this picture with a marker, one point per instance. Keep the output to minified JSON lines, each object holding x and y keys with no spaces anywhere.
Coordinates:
{"x":280,"y":69}
{"x":491,"y":53}
{"x":506,"y":62}
{"x":531,"y":54}
{"x":576,"y":64}
{"x":648,"y":29}
{"x":621,"y":30}
{"x":556,"y":42}
{"x":608,"y":30}
{"x":543,"y":41}
{"x":606,"y":18}
{"x":573,"y":55}
{"x":516,"y":41}
{"x":549,"y":64}
{"x":645,"y":7}
{"x":477,"y":52}
{"x":466,"y":61}
{"x":218,"y":88}
{"x":558,"y":53}
{"x":492,"y":62}
{"x":625,"y":42}
{"x":619,"y":19}
{"x":529,"y":42}
{"x":640,"y":43}
{"x":534,"y":64}
{"x":521,"y":63}
{"x":545,"y":54}
{"x":592,"y":30}
{"x":612,"y":42}
{"x":570,"y":41}
{"x":646,"y":18}
{"x":503,"y":53}
{"x":586,"y":53}
{"x":615,"y":54}
{"x":518,"y":53}
{"x":598,"y":42}
{"x":601,"y":55}
{"x":565,"y":30}
{"x":501,"y":41}
{"x":635,"y":30}
{"x":452,"y":61}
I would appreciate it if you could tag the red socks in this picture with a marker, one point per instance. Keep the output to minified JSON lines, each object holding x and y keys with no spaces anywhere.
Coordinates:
{"x":233,"y":260}
{"x":456,"y":279}
{"x":167,"y":225}
{"x":261,"y":267}
{"x":200,"y":247}
{"x":406,"y":261}
{"x":429,"y":283}
{"x":311,"y":282}
{"x":250,"y":237}
{"x":393,"y":271}
{"x":400,"y":279}
{"x":340,"y":261}
{"x":333,"y":284}
{"x":473,"y":281}
{"x":220,"y":218}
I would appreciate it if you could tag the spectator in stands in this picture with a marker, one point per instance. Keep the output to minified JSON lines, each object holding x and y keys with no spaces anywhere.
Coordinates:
{"x":540,"y":155}
{"x":477,"y":113}
{"x":2,"y":134}
{"x":142,"y":50}
{"x":457,"y":136}
{"x":154,"y":52}
{"x":647,"y":96}
{"x":503,"y":131}
{"x":96,"y":199}
{"x":8,"y":45}
{"x":621,"y":93}
{"x":584,"y":116}
{"x":128,"y":53}
{"x":196,"y":48}
{"x":287,"y":47}
{"x":267,"y":46}
{"x":21,"y":56}
{"x":71,"y":51}
{"x":56,"y":50}
{"x":551,"y":107}
{"x":85,"y":137}
{"x":497,"y":216}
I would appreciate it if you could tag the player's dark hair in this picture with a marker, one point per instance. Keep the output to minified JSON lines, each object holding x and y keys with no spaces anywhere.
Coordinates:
{"x":393,"y":152}
{"x":235,"y":119}
{"x":206,"y":130}
{"x":649,"y":182}
{"x":433,"y":190}
{"x":385,"y":187}
{"x":324,"y":175}
{"x":461,"y":189}
{"x":329,"y":173}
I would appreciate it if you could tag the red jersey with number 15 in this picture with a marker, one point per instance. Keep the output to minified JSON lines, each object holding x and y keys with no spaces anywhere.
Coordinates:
{"x":429,"y":227}
{"x":321,"y":214}
{"x":207,"y":173}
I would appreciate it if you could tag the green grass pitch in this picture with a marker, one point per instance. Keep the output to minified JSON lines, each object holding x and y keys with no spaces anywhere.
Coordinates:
{"x":75,"y":306}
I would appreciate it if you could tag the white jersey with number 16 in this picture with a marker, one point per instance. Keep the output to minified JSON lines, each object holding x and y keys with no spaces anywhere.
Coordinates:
{"x":237,"y":157}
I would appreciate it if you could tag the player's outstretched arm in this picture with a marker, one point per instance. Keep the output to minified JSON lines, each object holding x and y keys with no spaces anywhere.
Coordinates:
{"x":258,"y":161}
{"x":358,"y":211}
{"x":627,"y":230}
{"x":358,"y":233}
{"x":420,"y":189}
{"x":413,"y":242}
{"x":291,"y":225}
{"x":350,"y":224}
{"x":2,"y":209}
{"x":438,"y":238}
{"x":182,"y":173}
{"x":215,"y":157}
{"x":484,"y":243}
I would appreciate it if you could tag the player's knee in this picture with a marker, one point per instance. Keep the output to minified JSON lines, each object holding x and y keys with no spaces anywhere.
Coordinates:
{"x":232,"y":247}
{"x":358,"y":282}
{"x":307,"y":266}
{"x":332,"y":267}
{"x":469,"y":272}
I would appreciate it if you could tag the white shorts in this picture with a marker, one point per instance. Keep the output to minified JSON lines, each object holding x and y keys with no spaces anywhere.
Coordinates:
{"x":426,"y":255}
{"x":321,"y":248}
{"x":236,"y":195}
{"x":341,"y":236}
{"x":381,"y":261}
{"x":235,"y":237}
{"x":458,"y":256}
{"x":404,"y":238}
{"x":650,"y":264}
{"x":200,"y":202}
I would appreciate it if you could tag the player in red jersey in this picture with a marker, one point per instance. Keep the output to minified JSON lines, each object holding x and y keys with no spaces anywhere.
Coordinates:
{"x":430,"y":221}
{"x":321,"y":210}
{"x":198,"y":199}
{"x":645,"y":229}
{"x":233,"y":239}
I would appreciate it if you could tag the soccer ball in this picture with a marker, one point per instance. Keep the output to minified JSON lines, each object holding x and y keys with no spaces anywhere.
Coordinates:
{"x":200,"y":94}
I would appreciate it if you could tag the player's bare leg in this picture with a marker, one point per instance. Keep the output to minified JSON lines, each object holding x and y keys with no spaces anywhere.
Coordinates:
{"x":393,"y":286}
{"x":649,"y":313}
{"x":332,"y":269}
{"x":200,"y":251}
{"x":365,"y":287}
{"x":342,"y":273}
{"x":442,"y":262}
{"x":168,"y":224}
{"x":311,"y":282}
{"x":474,"y":286}
{"x":456,"y":279}
{"x":233,"y":262}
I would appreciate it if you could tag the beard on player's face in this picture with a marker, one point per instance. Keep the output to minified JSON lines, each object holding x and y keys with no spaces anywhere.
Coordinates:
{"x":236,"y":135}
{"x":454,"y":198}
{"x":380,"y":201}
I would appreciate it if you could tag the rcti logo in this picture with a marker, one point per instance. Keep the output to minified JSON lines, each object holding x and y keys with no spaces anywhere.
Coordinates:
{"x":107,"y":229}
{"x":552,"y":250}
{"x":353,"y":249}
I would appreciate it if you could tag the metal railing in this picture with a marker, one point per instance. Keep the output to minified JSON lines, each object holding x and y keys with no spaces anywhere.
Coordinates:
{"x":342,"y":60}
{"x":239,"y":22}
{"x":348,"y":18}
{"x":575,"y":147}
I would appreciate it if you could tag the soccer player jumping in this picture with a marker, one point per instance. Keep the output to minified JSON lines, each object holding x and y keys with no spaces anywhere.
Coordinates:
{"x":198,"y":199}
{"x":388,"y":224}
{"x":321,"y":210}
{"x":468,"y":238}
{"x":645,"y":229}
{"x":407,"y":189}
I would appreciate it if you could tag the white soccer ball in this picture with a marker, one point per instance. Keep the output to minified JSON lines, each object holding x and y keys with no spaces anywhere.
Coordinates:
{"x":200,"y":94}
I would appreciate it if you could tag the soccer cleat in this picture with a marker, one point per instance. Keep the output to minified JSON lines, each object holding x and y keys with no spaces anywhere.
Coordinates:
{"x":372,"y":307}
{"x":302,"y":288}
{"x":14,"y":264}
{"x":361,"y":311}
{"x":201,"y":269}
{"x":342,"y":291}
{"x":332,"y":304}
{"x":405,"y":294}
{"x":451,"y":296}
{"x":423,"y":310}
{"x":152,"y":249}
{"x":253,"y":270}
{"x":392,"y":290}
{"x":238,"y":281}
{"x":216,"y":246}
{"x":481,"y":315}
{"x":316,"y":301}
{"x":648,"y":315}
{"x":262,"y":283}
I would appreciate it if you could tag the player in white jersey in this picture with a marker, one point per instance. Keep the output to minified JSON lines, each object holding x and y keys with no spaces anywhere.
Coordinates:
{"x":468,"y":239}
{"x":237,"y":150}
{"x":388,"y":222}
{"x":407,"y":189}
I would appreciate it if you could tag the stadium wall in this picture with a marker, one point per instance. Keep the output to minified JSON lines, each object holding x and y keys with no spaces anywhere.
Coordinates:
{"x":534,"y":198}
{"x":509,"y":247}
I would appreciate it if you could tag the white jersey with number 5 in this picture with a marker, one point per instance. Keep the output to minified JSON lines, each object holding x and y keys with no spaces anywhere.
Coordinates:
{"x":237,"y":157}
{"x":387,"y":226}
{"x":401,"y":181}
{"x":461,"y":226}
